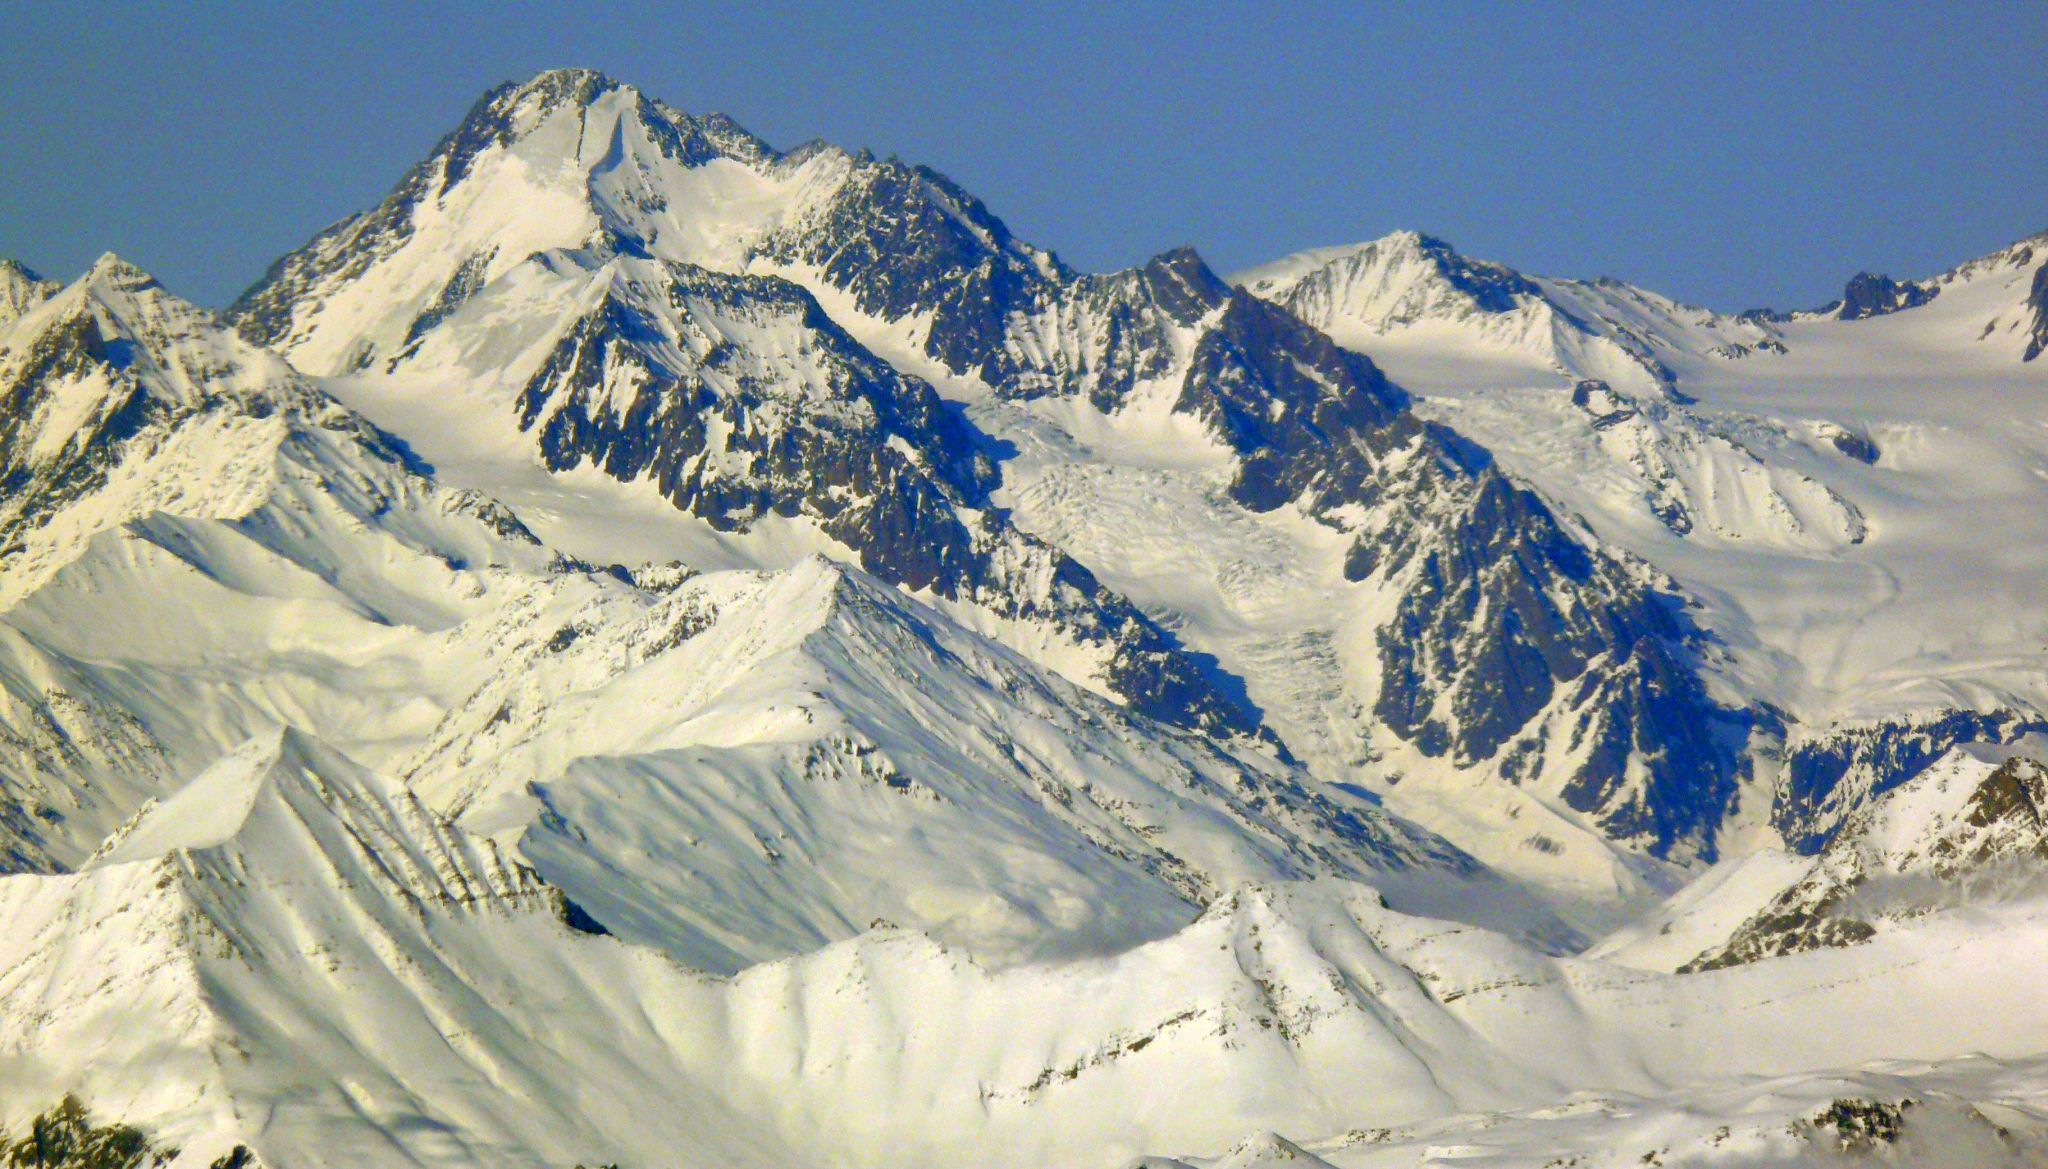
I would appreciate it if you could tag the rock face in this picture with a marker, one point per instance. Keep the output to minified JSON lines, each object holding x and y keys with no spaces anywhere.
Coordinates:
{"x":21,"y":290}
{"x":1965,"y":831}
{"x":739,"y":398}
{"x":1868,"y":295}
{"x":1828,"y":776}
{"x":1502,"y":615}
{"x":2037,"y":300}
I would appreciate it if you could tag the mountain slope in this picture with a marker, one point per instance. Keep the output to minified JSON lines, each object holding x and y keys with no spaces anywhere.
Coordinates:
{"x":921,"y":705}
{"x":424,"y":1003}
{"x":1822,"y":483}
{"x":611,"y":722}
{"x":153,"y":456}
{"x":1970,"y":830}
{"x":573,"y":190}
{"x":1516,"y":648}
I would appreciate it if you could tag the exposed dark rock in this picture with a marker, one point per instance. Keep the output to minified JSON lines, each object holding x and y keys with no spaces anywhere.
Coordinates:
{"x":1500,"y":607}
{"x":1994,"y":841}
{"x":1862,"y":1126}
{"x":1856,"y":446}
{"x":1868,"y":295}
{"x":2037,"y":299}
{"x":577,"y":918}
{"x":875,"y":457}
{"x":65,"y":1137}
{"x":904,"y":239}
{"x":1829,"y":776}
{"x":1494,"y":288}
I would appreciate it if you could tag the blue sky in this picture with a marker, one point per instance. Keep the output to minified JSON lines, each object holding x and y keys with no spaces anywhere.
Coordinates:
{"x":1731,"y":154}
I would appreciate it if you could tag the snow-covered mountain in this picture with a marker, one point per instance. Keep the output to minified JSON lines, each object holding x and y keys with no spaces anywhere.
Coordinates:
{"x":255,"y":555}
{"x":1820,"y":483}
{"x":1972,"y":830}
{"x":555,"y":263}
{"x":647,"y":648}
{"x":294,"y":955}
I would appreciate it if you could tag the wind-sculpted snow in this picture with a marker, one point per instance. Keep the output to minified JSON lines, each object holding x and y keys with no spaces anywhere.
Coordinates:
{"x":154,"y":457}
{"x":811,"y":752}
{"x":423,"y":1002}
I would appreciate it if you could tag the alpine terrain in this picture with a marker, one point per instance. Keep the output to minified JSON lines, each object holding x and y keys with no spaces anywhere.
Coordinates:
{"x":649,"y":649}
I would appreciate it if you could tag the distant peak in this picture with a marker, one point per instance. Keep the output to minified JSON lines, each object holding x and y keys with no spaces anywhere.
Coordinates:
{"x":579,"y":85}
{"x":111,"y":271}
{"x":1184,"y":283}
{"x":1874,"y":295}
{"x":16,"y":271}
{"x":1410,"y":238}
{"x":1187,"y":266}
{"x":1183,"y":258}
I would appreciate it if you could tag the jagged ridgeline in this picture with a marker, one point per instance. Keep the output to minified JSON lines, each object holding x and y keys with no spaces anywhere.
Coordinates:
{"x":919,"y":704}
{"x":759,"y":334}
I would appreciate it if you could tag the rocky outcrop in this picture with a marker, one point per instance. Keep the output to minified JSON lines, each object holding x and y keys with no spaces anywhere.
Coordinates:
{"x":2037,"y":300}
{"x":1965,"y":831}
{"x":1868,"y":295}
{"x":21,"y":290}
{"x":1828,"y":776}
{"x":801,"y":421}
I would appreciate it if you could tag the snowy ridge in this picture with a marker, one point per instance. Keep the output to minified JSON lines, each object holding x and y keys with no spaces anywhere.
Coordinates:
{"x":21,"y":290}
{"x":158,"y":459}
{"x":676,"y":368}
{"x":1408,"y":284}
{"x":1968,"y":831}
{"x":626,"y":323}
{"x":1819,"y":497}
{"x":1037,"y":820}
{"x":394,"y":1010}
{"x":1049,"y":719}
{"x":425,"y":628}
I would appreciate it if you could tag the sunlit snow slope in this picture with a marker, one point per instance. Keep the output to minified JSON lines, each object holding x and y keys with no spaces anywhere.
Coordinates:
{"x":647,"y":649}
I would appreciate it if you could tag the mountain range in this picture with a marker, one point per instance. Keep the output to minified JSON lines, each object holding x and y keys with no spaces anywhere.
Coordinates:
{"x":645,"y":648}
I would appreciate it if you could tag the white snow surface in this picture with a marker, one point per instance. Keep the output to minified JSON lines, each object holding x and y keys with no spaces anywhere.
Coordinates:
{"x":1849,"y":591}
{"x":419,"y":1002}
{"x":312,"y":753}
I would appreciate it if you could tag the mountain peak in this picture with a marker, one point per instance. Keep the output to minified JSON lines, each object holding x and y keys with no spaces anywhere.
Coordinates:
{"x":15,"y":270}
{"x":1181,"y":280}
{"x":555,"y":87}
{"x":21,"y":289}
{"x":1871,"y":294}
{"x":114,"y":273}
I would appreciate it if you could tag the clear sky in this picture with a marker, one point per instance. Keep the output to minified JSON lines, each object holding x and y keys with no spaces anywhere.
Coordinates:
{"x":1731,"y":154}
